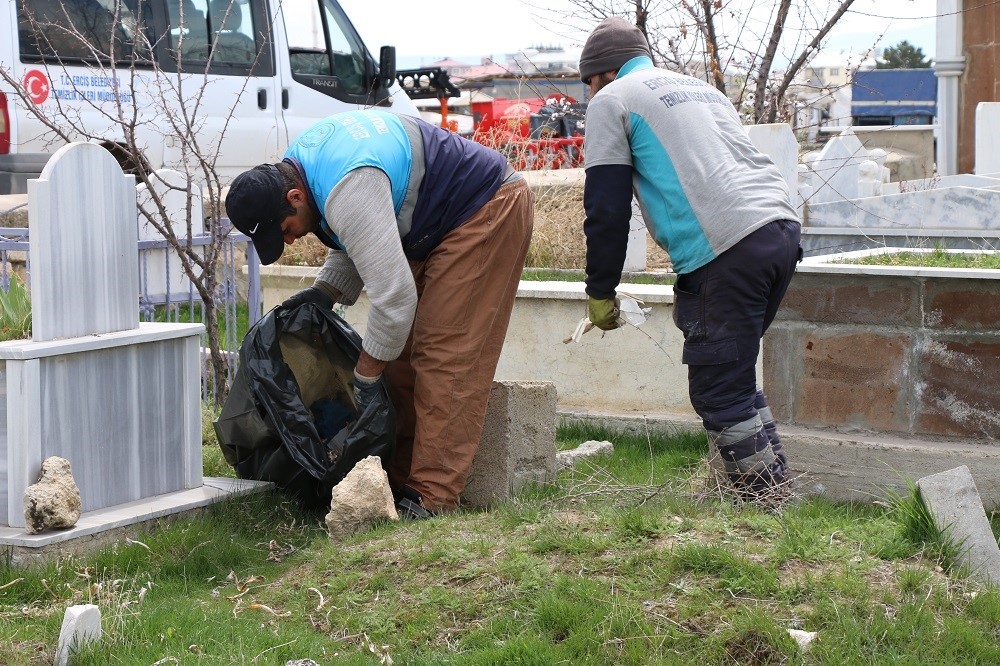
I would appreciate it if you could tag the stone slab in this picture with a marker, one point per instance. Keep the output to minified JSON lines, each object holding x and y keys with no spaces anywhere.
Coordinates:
{"x":97,"y":528}
{"x":958,"y":512}
{"x":586,"y":451}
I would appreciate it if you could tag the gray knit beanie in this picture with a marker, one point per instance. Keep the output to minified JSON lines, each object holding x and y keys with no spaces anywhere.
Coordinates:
{"x":612,"y":44}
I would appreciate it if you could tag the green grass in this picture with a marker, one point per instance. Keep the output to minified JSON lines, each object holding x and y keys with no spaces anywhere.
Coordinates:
{"x":937,"y":258}
{"x":15,"y":310}
{"x":619,"y":561}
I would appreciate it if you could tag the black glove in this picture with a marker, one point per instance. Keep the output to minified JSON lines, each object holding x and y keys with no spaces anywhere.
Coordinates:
{"x":309,"y":295}
{"x":365,"y":392}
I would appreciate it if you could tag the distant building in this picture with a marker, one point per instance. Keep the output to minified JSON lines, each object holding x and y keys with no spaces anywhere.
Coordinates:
{"x":894,"y":97}
{"x":536,"y":72}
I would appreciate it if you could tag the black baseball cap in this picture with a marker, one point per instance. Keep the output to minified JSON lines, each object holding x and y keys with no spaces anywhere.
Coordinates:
{"x":254,"y":204}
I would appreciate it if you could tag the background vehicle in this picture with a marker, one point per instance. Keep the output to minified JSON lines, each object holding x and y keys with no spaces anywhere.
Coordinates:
{"x":240,"y":77}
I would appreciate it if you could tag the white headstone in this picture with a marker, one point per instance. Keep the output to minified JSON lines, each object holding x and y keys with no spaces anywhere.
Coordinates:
{"x":778,"y":142}
{"x":836,"y":169}
{"x":987,"y":138}
{"x":635,"y":251}
{"x":83,"y":231}
{"x":81,"y":625}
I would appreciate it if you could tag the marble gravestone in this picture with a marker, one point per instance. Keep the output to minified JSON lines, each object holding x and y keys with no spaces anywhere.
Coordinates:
{"x":118,"y":398}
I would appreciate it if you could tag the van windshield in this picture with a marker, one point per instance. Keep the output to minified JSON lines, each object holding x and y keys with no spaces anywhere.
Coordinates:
{"x":96,"y":31}
{"x":322,"y":42}
{"x":218,"y":30}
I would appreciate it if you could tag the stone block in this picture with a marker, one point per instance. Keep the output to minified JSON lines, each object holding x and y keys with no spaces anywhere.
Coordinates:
{"x":586,"y":451}
{"x":958,"y":380}
{"x":518,"y":442}
{"x":782,"y":367}
{"x":958,"y":512}
{"x":81,"y":625}
{"x":851,"y":299}
{"x":854,"y":379}
{"x":361,"y":500}
{"x":957,"y":305}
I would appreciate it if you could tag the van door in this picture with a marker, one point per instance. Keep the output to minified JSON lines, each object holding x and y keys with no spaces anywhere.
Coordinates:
{"x":324,"y":65}
{"x":221,"y":55}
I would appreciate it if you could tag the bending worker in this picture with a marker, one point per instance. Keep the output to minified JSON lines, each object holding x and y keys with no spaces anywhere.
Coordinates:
{"x":722,"y":211}
{"x":436,"y":228}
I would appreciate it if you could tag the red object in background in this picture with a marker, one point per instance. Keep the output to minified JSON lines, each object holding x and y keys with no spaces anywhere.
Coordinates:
{"x":508,"y":115}
{"x":505,"y":125}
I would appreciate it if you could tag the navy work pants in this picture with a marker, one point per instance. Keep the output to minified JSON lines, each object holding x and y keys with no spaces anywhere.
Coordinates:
{"x":723,"y":310}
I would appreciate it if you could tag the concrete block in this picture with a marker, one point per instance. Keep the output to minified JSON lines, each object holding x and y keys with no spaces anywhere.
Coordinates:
{"x":957,"y":394}
{"x":586,"y":451}
{"x":518,"y":442}
{"x":81,"y":625}
{"x":959,"y":305}
{"x":958,"y":512}
{"x":851,"y":299}
{"x":842,"y":386}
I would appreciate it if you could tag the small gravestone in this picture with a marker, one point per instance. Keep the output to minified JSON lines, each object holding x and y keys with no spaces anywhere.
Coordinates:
{"x":958,"y":512}
{"x":81,"y":626}
{"x":987,"y":138}
{"x":836,"y":170}
{"x":52,"y":502}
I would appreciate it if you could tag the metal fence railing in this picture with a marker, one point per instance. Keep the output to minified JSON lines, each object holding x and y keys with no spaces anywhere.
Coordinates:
{"x":166,"y":294}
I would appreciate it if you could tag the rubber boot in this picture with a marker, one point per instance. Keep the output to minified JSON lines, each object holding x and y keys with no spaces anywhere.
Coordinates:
{"x":748,"y":458}
{"x":770,"y":427}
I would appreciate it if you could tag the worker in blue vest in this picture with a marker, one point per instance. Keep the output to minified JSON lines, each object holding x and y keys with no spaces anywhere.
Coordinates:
{"x":436,"y":228}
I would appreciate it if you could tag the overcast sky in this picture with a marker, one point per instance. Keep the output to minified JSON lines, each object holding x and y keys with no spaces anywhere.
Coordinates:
{"x":426,"y":30}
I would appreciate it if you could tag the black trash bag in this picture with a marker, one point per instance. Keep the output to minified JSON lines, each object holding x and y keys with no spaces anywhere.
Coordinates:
{"x":290,"y":417}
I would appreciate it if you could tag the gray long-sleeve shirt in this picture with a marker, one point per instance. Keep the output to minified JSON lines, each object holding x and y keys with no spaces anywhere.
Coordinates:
{"x":360,"y":212}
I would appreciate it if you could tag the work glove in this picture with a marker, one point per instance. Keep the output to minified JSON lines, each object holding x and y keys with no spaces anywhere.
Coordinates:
{"x":365,"y":391}
{"x":603,"y":313}
{"x":309,"y":295}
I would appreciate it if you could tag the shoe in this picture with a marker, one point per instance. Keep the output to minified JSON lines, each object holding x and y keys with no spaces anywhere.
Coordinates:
{"x":410,"y":510}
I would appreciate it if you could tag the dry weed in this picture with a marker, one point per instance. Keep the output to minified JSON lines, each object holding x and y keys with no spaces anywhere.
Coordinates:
{"x":556,"y":242}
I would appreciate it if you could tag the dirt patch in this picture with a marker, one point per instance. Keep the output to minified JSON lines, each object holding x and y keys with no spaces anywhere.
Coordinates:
{"x":754,"y":648}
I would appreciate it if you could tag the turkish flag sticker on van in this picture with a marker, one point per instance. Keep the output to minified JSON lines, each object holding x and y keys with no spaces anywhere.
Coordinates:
{"x":36,"y":85}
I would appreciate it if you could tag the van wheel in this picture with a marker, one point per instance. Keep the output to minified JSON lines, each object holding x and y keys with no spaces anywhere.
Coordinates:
{"x":131,"y":164}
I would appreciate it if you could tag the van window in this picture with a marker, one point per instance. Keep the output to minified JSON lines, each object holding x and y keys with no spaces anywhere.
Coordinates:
{"x":94,"y":31}
{"x":322,"y":42}
{"x":220,"y":30}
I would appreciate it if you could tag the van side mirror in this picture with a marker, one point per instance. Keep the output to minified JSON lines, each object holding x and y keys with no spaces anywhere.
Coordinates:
{"x":387,"y":66}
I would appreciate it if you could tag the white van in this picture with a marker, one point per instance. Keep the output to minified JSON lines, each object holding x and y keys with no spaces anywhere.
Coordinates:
{"x":250,"y":73}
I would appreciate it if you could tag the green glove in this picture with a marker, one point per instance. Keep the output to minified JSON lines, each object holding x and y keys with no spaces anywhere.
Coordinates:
{"x":603,"y":312}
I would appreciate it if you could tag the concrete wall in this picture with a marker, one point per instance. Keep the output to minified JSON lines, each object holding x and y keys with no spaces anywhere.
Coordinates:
{"x":628,"y":370}
{"x":981,"y":80}
{"x":910,"y":354}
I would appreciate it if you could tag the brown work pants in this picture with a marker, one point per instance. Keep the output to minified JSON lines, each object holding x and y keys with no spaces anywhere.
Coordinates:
{"x":441,"y":382}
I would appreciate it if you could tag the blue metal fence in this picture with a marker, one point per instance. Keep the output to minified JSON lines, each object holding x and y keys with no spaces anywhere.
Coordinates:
{"x":165,"y":294}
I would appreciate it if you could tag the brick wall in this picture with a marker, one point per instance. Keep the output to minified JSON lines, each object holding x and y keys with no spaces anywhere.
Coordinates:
{"x":911,"y":355}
